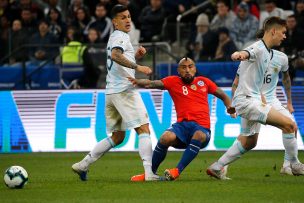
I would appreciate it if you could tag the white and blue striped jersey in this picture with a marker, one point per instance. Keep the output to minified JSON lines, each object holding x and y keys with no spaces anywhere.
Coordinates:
{"x":252,"y":71}
{"x":117,"y":75}
{"x":278,"y":63}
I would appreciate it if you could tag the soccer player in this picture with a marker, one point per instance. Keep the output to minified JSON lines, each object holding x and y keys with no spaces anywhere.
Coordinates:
{"x":279,"y":63}
{"x":124,"y":106}
{"x":192,"y":129}
{"x":257,"y":69}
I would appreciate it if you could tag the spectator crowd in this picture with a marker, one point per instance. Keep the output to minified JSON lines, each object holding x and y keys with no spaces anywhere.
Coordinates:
{"x":216,"y":30}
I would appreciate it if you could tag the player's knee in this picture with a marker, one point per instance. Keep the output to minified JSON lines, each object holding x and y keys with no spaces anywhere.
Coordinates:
{"x":249,"y":142}
{"x":290,"y":127}
{"x":143,"y":129}
{"x":118,"y":138}
{"x":200,"y":136}
{"x":249,"y":145}
{"x":166,"y":140}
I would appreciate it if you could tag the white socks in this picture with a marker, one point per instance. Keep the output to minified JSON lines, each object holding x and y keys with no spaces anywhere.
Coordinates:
{"x":291,"y":149}
{"x":232,"y":154}
{"x":98,"y":151}
{"x":145,"y":152}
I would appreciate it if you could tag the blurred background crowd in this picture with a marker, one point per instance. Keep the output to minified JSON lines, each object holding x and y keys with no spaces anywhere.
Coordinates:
{"x":75,"y":31}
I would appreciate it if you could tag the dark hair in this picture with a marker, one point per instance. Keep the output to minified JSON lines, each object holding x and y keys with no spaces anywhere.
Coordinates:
{"x":271,"y":1}
{"x":77,"y":36}
{"x":223,"y":2}
{"x":101,"y":5}
{"x":59,"y":19}
{"x":223,"y":30}
{"x":43,"y":21}
{"x":291,"y":16}
{"x":118,"y":8}
{"x":260,"y":34}
{"x":273,"y":21}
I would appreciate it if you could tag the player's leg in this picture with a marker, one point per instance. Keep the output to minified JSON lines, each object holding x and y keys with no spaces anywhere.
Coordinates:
{"x":291,"y":147}
{"x":99,"y":150}
{"x":145,"y":150}
{"x":189,"y":154}
{"x":277,"y":119}
{"x":245,"y":142}
{"x":254,"y":110}
{"x":134,"y":116}
{"x":193,"y":137}
{"x":113,"y":122}
{"x":159,"y":154}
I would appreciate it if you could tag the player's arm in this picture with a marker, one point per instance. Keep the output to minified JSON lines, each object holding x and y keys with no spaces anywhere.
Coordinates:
{"x":234,"y":85}
{"x":287,"y":86}
{"x":240,"y":55}
{"x":141,"y":51}
{"x":219,"y":93}
{"x":118,"y":57}
{"x":149,"y":84}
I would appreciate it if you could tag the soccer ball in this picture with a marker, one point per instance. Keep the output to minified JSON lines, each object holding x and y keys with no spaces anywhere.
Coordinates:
{"x":15,"y":177}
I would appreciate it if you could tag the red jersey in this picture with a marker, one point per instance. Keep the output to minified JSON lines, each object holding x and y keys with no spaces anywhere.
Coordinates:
{"x":191,"y":100}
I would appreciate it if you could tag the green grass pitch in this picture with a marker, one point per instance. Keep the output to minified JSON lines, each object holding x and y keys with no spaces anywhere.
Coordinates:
{"x":255,"y":178}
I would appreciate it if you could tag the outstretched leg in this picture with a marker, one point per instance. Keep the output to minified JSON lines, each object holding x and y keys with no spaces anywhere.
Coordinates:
{"x":189,"y":154}
{"x":102,"y":147}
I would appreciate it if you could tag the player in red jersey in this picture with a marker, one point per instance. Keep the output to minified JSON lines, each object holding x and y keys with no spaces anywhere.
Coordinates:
{"x":192,"y":129}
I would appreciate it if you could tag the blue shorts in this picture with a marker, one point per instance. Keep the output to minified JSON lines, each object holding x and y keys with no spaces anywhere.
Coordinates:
{"x":185,"y":130}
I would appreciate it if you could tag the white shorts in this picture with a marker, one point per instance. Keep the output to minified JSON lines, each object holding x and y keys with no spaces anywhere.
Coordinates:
{"x":249,"y":128}
{"x":252,"y":109}
{"x":125,"y":110}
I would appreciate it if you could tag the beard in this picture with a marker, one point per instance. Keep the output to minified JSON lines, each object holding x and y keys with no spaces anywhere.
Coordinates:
{"x":188,"y":80}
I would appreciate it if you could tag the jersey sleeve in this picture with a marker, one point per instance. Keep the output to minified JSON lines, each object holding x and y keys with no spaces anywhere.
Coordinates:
{"x":285,"y":65}
{"x":253,"y":52}
{"x":119,"y":42}
{"x":168,"y":82}
{"x":212,"y":87}
{"x":238,"y":71}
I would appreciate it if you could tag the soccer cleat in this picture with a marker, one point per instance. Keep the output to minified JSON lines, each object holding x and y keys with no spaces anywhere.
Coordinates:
{"x":171,"y":174}
{"x":297,"y":169}
{"x":138,"y":178}
{"x":80,"y":171}
{"x":218,"y":174}
{"x":286,"y":170}
{"x":154,"y":177}
{"x":141,"y":178}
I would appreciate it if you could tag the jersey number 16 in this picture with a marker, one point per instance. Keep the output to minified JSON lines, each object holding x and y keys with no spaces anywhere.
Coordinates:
{"x":267,"y":79}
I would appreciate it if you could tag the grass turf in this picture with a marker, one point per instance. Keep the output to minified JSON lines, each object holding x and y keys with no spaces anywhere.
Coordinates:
{"x":255,"y":178}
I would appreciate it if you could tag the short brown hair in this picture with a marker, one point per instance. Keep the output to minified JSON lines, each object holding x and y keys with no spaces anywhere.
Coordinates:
{"x":273,"y":21}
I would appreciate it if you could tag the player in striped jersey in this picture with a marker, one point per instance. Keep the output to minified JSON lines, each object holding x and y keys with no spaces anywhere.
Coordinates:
{"x":124,"y":106}
{"x":253,"y":74}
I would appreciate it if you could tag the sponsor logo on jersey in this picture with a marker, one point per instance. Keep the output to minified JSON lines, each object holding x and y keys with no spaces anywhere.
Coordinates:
{"x":193,"y":87}
{"x":200,"y":83}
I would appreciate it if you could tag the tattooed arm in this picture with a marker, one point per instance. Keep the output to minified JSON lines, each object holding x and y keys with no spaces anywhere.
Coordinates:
{"x":287,"y":86}
{"x":150,"y":84}
{"x":234,"y":85}
{"x":119,"y":58}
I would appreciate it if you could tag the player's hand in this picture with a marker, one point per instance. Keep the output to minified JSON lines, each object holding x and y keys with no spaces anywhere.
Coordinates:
{"x":290,"y":107}
{"x":239,"y":56}
{"x":133,"y":81}
{"x":231,"y":111}
{"x":144,"y":69}
{"x":141,"y":51}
